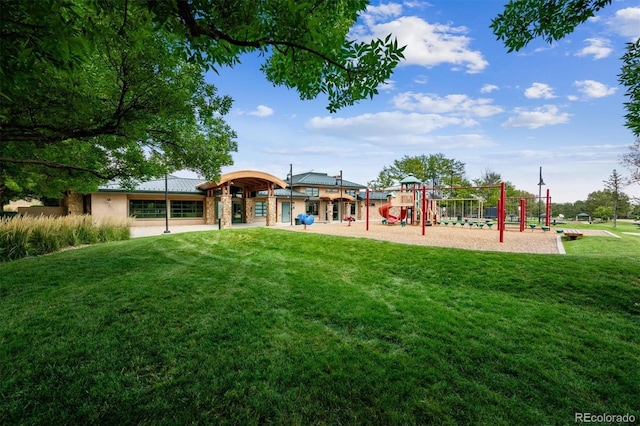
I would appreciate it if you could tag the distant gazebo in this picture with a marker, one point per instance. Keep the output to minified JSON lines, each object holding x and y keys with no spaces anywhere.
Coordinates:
{"x":583,"y":216}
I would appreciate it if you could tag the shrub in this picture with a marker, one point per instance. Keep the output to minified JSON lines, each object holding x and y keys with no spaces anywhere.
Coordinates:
{"x":23,"y":236}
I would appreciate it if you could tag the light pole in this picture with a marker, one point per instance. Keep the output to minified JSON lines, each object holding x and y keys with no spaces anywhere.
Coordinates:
{"x":340,"y":202}
{"x":540,"y":194}
{"x":166,"y":205}
{"x":290,"y":179}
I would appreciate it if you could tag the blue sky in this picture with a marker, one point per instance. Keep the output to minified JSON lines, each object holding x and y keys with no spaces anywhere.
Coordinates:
{"x":458,"y":93}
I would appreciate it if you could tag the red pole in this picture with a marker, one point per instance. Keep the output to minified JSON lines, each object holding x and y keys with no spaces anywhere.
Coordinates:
{"x":424,"y":208}
{"x":367,"y":209}
{"x":523,"y":213}
{"x":503,"y":210}
{"x":548,"y":210}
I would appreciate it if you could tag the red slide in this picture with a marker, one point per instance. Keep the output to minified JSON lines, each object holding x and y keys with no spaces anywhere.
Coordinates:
{"x":384,"y":212}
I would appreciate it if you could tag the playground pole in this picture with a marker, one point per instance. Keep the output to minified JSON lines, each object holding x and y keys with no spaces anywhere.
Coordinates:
{"x":523,"y":213}
{"x":548,"y":210}
{"x":502,"y":212}
{"x":367,"y":209}
{"x":424,"y":208}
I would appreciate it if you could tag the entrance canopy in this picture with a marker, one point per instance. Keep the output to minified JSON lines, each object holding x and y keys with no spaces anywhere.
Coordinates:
{"x":248,"y":180}
{"x":333,"y":197}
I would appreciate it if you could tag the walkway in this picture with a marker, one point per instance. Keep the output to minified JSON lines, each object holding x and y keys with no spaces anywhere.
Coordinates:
{"x":152,"y":231}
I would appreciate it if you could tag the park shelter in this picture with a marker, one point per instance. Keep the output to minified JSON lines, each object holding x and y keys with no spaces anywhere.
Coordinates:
{"x":583,"y":216}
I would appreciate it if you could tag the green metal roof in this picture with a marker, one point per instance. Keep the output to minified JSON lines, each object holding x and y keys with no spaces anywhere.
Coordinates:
{"x":322,"y":179}
{"x":410,"y":179}
{"x":283,"y":193}
{"x":373,"y":195}
{"x":175,"y":185}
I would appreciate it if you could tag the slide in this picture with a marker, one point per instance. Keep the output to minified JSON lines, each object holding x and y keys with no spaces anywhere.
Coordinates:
{"x":391,"y":219}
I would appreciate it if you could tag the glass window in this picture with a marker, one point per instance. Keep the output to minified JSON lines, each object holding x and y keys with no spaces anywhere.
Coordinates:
{"x":187,"y":208}
{"x":351,"y":192}
{"x":261,"y":209}
{"x":312,"y":209}
{"x":312,"y":192}
{"x":147,"y":209}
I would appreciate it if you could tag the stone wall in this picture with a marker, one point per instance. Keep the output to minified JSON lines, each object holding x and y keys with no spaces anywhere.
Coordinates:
{"x":210,"y":217}
{"x":74,"y":203}
{"x":226,"y":211}
{"x":249,"y":210}
{"x":271,"y":211}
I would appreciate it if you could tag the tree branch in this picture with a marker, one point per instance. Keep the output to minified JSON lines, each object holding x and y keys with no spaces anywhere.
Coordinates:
{"x":20,"y":133}
{"x":54,"y":165}
{"x":196,"y":30}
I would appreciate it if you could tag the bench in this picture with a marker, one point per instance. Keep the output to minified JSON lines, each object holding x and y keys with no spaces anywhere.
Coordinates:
{"x":572,"y":234}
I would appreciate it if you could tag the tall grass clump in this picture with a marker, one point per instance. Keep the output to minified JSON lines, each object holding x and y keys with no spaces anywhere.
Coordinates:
{"x":23,"y":236}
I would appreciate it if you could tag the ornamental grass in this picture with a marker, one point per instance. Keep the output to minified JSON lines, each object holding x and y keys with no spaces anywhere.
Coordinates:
{"x":24,"y":236}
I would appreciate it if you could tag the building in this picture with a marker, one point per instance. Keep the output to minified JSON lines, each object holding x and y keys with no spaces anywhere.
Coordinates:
{"x":247,"y":196}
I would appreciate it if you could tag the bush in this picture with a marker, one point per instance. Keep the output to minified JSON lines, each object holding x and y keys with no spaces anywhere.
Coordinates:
{"x":23,"y":236}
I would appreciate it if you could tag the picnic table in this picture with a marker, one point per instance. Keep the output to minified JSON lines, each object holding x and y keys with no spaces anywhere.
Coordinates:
{"x":572,"y":234}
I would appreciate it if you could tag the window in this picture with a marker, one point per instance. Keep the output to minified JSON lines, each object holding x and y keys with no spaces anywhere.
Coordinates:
{"x":312,"y":209}
{"x":186,"y":208}
{"x":261,"y":209}
{"x":351,"y":192}
{"x":147,"y":209}
{"x":312,"y":192}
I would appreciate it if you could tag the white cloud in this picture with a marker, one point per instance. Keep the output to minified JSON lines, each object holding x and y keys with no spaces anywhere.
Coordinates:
{"x":427,"y":44}
{"x":547,"y":115}
{"x":626,"y":22}
{"x":387,"y":86}
{"x":261,"y":111}
{"x":594,"y":89}
{"x":488,"y":88}
{"x":539,"y":91}
{"x":381,"y":12}
{"x":385,"y":128}
{"x":421,"y":79}
{"x":598,"y":47}
{"x":455,"y":104}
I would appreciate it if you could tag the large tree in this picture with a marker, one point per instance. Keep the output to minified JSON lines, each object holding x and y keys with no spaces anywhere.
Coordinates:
{"x":99,"y":89}
{"x":524,"y":20}
{"x":432,"y":169}
{"x":614,"y":184}
{"x":632,"y":161}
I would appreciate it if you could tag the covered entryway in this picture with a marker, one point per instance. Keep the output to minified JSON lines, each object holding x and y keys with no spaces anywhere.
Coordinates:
{"x":338,"y":206}
{"x":236,"y":193}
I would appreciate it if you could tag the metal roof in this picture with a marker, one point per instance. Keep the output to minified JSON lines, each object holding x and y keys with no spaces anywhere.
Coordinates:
{"x":322,"y":179}
{"x":282,"y":193}
{"x":174,"y":185}
{"x":410,"y":179}
{"x":373,"y":195}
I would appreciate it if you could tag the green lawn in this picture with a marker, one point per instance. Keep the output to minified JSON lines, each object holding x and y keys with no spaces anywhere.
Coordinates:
{"x":625,"y":245}
{"x":260,"y":326}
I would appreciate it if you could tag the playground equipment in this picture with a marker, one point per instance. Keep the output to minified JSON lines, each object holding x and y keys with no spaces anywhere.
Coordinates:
{"x":390,"y":219}
{"x":460,"y":208}
{"x":306,"y":219}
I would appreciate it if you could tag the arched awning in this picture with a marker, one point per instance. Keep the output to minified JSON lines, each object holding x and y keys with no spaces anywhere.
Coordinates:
{"x":248,"y":180}
{"x":333,"y":197}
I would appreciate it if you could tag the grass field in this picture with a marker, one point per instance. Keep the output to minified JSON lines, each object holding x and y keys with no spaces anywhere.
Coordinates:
{"x":260,"y":326}
{"x":626,"y":246}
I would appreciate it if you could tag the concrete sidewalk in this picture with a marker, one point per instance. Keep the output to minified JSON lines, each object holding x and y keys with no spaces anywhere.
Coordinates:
{"x":152,"y":231}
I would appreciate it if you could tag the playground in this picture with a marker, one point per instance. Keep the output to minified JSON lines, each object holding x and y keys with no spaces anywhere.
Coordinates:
{"x":483,"y":239}
{"x":474,"y":238}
